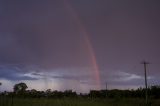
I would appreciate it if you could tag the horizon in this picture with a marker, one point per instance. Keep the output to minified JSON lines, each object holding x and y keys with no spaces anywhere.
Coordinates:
{"x":78,"y":92}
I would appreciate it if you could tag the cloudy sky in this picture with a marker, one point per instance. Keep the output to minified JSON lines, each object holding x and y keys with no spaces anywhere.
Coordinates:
{"x":79,"y":44}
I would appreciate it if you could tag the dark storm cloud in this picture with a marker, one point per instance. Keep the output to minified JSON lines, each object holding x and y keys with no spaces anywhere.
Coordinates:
{"x":39,"y":33}
{"x":43,"y":32}
{"x":42,"y":36}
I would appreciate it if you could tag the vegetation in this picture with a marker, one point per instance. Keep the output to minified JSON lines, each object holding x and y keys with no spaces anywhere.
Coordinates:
{"x":20,"y":88}
{"x":23,"y":97}
{"x":77,"y":102}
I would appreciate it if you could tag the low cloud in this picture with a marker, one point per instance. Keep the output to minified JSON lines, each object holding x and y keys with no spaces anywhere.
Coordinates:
{"x":124,"y":76}
{"x":13,"y":73}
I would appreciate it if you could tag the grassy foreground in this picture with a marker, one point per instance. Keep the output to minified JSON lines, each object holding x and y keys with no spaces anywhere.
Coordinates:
{"x":80,"y":102}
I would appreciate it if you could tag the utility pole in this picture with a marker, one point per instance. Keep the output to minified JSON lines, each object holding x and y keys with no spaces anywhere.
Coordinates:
{"x":0,"y":85}
{"x":145,"y":75}
{"x":106,"y":86}
{"x":106,"y":89}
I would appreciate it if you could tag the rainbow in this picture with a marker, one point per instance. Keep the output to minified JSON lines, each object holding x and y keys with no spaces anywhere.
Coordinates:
{"x":87,"y":43}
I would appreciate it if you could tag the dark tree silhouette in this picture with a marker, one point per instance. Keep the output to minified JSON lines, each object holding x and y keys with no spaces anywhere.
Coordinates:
{"x":20,"y":87}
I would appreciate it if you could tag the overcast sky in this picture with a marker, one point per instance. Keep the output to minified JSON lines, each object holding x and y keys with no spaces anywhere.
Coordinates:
{"x":70,"y":44}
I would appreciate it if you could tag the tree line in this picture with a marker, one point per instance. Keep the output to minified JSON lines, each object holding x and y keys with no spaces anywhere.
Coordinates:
{"x":20,"y":90}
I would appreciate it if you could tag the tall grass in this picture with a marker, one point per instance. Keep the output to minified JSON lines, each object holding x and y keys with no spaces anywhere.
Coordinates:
{"x":79,"y":102}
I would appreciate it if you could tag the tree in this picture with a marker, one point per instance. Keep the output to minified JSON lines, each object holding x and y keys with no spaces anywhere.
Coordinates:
{"x":20,"y":87}
{"x":48,"y":92}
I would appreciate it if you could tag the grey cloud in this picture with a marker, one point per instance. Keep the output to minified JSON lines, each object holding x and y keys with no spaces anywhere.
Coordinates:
{"x":12,"y":73}
{"x":83,"y":77}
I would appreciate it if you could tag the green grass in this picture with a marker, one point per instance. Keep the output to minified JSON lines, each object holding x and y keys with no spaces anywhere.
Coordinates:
{"x":80,"y":102}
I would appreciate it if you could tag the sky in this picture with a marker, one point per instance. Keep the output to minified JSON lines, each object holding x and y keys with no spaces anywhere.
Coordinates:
{"x":79,"y":44}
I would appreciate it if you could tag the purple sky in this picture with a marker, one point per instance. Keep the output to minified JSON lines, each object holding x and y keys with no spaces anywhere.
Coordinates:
{"x":42,"y":43}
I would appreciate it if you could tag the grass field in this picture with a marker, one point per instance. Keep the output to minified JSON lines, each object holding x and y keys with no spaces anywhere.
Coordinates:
{"x":79,"y":102}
